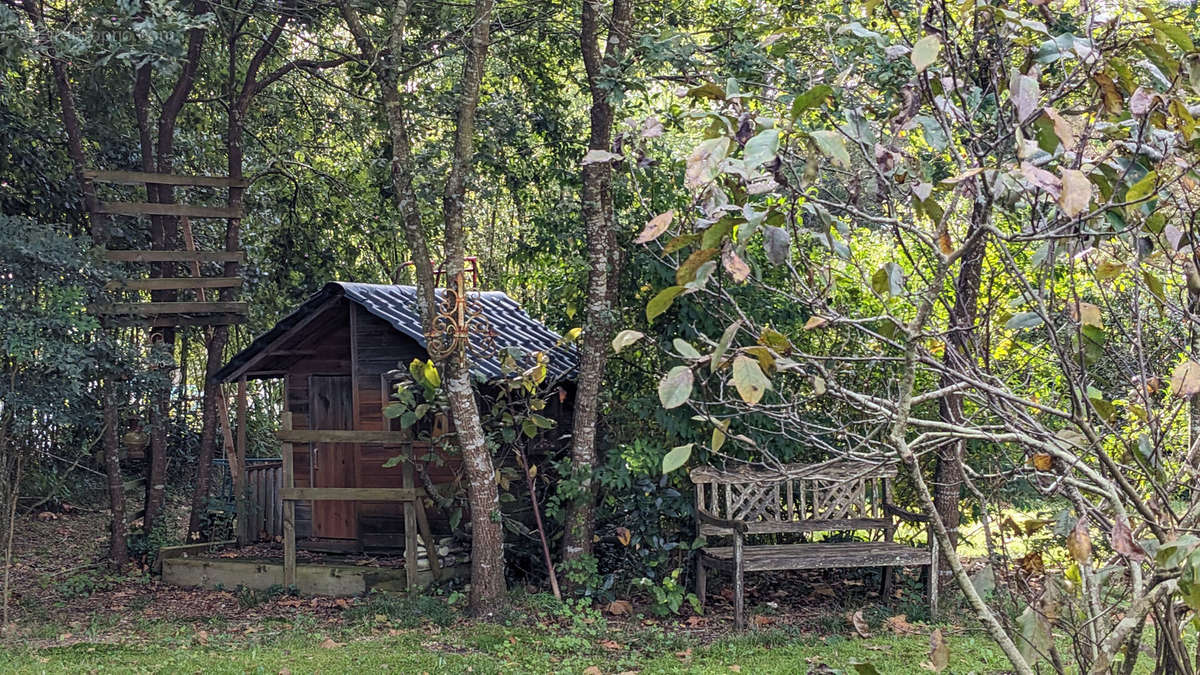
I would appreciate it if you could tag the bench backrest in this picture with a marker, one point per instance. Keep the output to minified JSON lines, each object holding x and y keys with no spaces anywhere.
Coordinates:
{"x":840,"y":495}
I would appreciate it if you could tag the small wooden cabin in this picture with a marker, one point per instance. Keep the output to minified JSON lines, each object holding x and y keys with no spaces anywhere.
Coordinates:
{"x":338,"y":355}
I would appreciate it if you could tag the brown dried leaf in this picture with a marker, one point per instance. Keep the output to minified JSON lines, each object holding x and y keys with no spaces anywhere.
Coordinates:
{"x":736,"y":267}
{"x":1123,"y":543}
{"x":620,"y":608}
{"x":1032,"y":564}
{"x":939,"y":651}
{"x":624,"y":535}
{"x":1042,"y":461}
{"x":655,"y":227}
{"x":1079,"y":542}
{"x":815,"y":321}
{"x":328,"y":643}
{"x":860,"y":624}
{"x":900,"y":626}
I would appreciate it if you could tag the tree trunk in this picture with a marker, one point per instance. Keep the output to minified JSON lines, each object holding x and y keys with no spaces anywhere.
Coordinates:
{"x":948,"y":472}
{"x":117,"y":549}
{"x":603,"y":269}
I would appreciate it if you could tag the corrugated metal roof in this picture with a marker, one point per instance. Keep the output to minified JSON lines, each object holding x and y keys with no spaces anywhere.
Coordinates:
{"x":397,"y":305}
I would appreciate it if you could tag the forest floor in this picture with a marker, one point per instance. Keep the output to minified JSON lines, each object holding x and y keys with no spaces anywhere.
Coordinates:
{"x":72,"y":616}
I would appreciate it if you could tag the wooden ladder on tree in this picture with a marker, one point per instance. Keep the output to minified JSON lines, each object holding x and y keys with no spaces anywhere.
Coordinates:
{"x":165,"y":314}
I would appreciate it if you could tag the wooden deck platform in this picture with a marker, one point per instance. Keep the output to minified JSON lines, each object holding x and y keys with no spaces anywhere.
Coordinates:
{"x":311,"y":579}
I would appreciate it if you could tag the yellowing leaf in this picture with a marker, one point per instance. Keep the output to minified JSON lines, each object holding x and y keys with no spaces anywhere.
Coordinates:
{"x":749,"y":380}
{"x":1088,"y":314}
{"x":832,"y":145}
{"x":677,"y":457}
{"x":675,"y":388}
{"x":1076,"y":192}
{"x":1062,"y":128}
{"x":815,"y":321}
{"x":657,"y":225}
{"x":624,"y":535}
{"x":925,"y":52}
{"x":625,"y":338}
{"x":1185,"y":380}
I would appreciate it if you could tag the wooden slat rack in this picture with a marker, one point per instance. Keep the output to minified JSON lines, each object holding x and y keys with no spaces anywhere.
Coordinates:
{"x":173,"y":313}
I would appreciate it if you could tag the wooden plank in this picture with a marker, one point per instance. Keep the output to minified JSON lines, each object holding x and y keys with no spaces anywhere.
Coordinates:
{"x":159,"y":308}
{"x":239,"y":480}
{"x":174,"y":283}
{"x":143,"y":177}
{"x":300,"y":326}
{"x":339,"y":436}
{"x":410,"y":529}
{"x":174,"y":320}
{"x":150,"y":209}
{"x":326,"y":580}
{"x":352,"y":494}
{"x":175,"y":256}
{"x":820,"y":555}
{"x":289,"y":507}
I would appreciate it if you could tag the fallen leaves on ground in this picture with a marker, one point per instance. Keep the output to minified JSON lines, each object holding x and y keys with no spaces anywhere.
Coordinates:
{"x":900,"y":626}
{"x":860,"y":624}
{"x":620,"y":608}
{"x":328,"y":643}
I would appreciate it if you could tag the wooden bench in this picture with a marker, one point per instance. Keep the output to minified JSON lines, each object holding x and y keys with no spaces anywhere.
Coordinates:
{"x":803,"y":499}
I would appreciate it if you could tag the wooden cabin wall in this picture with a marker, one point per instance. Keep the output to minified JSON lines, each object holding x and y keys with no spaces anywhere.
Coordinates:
{"x":330,"y":343}
{"x":377,"y":348}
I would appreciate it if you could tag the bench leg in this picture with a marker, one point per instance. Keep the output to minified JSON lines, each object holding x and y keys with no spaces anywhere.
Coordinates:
{"x":885,"y":588}
{"x":739,"y":589}
{"x":933,"y":578}
{"x":701,"y":581}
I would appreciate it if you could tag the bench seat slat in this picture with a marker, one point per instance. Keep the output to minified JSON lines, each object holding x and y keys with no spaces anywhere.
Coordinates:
{"x":819,"y":555}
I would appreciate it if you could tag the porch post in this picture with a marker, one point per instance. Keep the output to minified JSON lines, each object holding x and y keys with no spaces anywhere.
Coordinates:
{"x":239,"y":478}
{"x":289,"y":507}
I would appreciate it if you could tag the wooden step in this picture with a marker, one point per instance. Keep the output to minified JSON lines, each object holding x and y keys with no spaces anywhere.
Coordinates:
{"x":175,"y":256}
{"x":149,"y":209}
{"x":174,"y":283}
{"x":142,"y":177}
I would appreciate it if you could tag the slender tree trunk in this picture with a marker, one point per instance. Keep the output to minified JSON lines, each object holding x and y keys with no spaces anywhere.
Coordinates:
{"x":487,"y":535}
{"x":948,"y":472}
{"x":117,"y":549}
{"x":603,"y":268}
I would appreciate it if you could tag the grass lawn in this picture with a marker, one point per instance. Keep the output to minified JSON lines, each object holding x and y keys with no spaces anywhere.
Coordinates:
{"x":494,"y":648}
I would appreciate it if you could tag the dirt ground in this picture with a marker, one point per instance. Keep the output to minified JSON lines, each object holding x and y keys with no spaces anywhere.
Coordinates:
{"x":63,"y":592}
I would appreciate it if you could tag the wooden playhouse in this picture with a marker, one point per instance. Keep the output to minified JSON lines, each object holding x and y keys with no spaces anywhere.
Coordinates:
{"x":339,"y":355}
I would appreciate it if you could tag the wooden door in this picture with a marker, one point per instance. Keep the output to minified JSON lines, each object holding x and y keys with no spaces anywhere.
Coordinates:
{"x":331,"y":406}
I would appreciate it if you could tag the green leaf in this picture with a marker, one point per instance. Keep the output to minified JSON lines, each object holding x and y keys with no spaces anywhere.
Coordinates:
{"x":662,"y":302}
{"x":675,"y":388}
{"x":925,"y":52}
{"x":685,"y":348}
{"x":715,"y":233}
{"x":1024,"y":320}
{"x":394,"y":410}
{"x":833,"y":145}
{"x":677,"y":457}
{"x":542,"y":422}
{"x":810,"y":99}
{"x":393,"y":461}
{"x":888,"y":279}
{"x":625,"y":338}
{"x":1143,"y":188}
{"x":761,"y":148}
{"x":749,"y":380}
{"x":723,"y":345}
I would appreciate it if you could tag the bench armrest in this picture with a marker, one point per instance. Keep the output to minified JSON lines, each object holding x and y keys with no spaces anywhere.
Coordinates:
{"x":902,"y":514}
{"x":735,"y":525}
